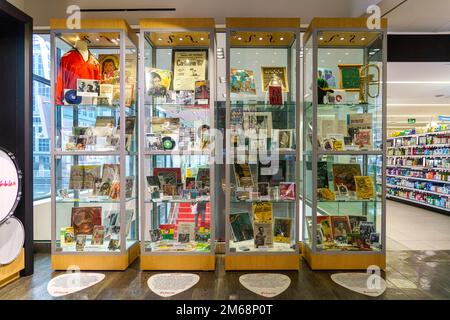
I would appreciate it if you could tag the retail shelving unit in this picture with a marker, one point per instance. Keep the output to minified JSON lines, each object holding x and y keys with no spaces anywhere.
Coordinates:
{"x":94,"y":145}
{"x":177,"y":69}
{"x":418,"y":169}
{"x":344,"y":117}
{"x":262,"y":176}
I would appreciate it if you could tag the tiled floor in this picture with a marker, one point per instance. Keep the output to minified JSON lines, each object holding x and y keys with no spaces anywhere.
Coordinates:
{"x":412,"y":228}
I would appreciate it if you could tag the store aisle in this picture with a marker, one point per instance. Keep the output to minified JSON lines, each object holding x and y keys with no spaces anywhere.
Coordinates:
{"x":411,"y":228}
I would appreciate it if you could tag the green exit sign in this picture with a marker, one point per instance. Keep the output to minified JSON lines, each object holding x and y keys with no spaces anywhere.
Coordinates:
{"x":411,"y":121}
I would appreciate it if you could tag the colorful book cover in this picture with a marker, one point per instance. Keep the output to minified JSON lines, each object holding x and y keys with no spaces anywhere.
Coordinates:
{"x":69,"y":236}
{"x":287,"y":190}
{"x":165,"y":125}
{"x":355,"y":220}
{"x":80,"y":242}
{"x":110,"y":174}
{"x":202,"y":90}
{"x":262,"y":211}
{"x":186,"y":232}
{"x":84,"y":218}
{"x":83,"y":176}
{"x":242,"y":81}
{"x":243,"y":175}
{"x":157,"y":81}
{"x":340,"y":226}
{"x":364,"y":187}
{"x":241,"y":226}
{"x":168,"y":175}
{"x":109,"y":68}
{"x":322,"y":175}
{"x":282,"y":230}
{"x":98,"y":235}
{"x":154,"y":141}
{"x":167,"y":231}
{"x":203,"y":176}
{"x":263,"y":234}
{"x":325,"y":226}
{"x":363,"y":139}
{"x":275,"y":95}
{"x":344,"y":174}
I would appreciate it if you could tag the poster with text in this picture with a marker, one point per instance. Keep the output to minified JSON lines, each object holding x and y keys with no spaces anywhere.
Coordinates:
{"x":189,"y":67}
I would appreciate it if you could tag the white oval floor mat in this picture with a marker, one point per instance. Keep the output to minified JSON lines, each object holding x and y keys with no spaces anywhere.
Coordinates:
{"x":170,"y":284}
{"x":369,"y":284}
{"x":72,"y":282}
{"x":265,"y":284}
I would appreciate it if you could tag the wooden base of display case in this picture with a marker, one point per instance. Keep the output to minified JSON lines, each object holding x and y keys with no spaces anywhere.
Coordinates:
{"x":96,"y":262}
{"x":178,"y":262}
{"x":345,"y":261}
{"x":11,"y":272}
{"x":262,"y":262}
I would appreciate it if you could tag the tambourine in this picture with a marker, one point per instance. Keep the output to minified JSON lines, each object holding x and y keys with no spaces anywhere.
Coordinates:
{"x":10,"y":184}
{"x":12,"y":238}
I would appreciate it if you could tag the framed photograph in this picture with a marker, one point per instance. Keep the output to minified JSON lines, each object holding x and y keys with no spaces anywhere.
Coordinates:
{"x":344,"y":174}
{"x":154,"y":141}
{"x":263,"y":234}
{"x":263,"y":190}
{"x":287,"y":190}
{"x":284,"y":139}
{"x":256,"y":121}
{"x":88,"y":88}
{"x":189,"y":67}
{"x":274,"y":76}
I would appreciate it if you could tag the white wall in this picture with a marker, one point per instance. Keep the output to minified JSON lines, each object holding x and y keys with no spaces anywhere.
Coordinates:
{"x":42,"y":220}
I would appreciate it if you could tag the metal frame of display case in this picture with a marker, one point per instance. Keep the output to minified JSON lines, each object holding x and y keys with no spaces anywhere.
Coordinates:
{"x":182,"y":260}
{"x":342,"y":259}
{"x":263,"y":260}
{"x":119,"y":260}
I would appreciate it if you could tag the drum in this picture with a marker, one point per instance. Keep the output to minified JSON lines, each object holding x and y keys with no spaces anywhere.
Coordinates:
{"x":12,"y":237}
{"x":10,"y":184}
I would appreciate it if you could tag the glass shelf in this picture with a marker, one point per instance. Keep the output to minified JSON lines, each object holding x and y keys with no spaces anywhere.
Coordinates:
{"x":100,"y":201}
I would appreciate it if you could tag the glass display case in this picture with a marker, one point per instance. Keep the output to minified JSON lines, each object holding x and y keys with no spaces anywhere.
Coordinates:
{"x":262,"y":173}
{"x":344,"y":132}
{"x":94,"y":164}
{"x":177,"y":149}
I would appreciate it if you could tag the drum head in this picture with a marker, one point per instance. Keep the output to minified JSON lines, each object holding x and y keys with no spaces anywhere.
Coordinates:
{"x":10,"y":184}
{"x":12,"y":237}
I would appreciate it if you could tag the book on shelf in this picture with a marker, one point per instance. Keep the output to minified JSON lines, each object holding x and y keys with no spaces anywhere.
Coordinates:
{"x":85,"y":218}
{"x":364,"y":187}
{"x":243,"y":175}
{"x":282,"y":230}
{"x":340,"y":227}
{"x":83,"y":176}
{"x":110,"y":174}
{"x":186,"y":232}
{"x":80,"y":242}
{"x":241,"y":226}
{"x":263,"y":234}
{"x":287,"y":191}
{"x":344,"y":175}
{"x":262,"y":211}
{"x":167,"y":231}
{"x":325,"y":226}
{"x":98,"y":235}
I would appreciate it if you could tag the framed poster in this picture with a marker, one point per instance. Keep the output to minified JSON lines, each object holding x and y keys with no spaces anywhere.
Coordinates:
{"x":188,"y":67}
{"x":350,"y":76}
{"x":274,"y":76}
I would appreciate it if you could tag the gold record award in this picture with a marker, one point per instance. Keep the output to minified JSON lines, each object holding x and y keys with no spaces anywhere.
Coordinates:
{"x":189,"y":67}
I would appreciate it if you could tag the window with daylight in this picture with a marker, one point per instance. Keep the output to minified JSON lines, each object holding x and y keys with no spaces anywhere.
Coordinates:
{"x":41,"y":116}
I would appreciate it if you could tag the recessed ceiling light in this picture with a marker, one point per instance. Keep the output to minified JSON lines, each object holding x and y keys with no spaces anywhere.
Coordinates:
{"x":117,"y":39}
{"x":257,"y":52}
{"x":342,"y":38}
{"x":371,"y":53}
{"x":238,"y":53}
{"x":239,"y":38}
{"x":363,"y":38}
{"x":159,"y":39}
{"x":321,"y":38}
{"x":346,"y":53}
{"x":260,"y":38}
{"x":339,"y":61}
{"x":275,"y":53}
{"x":239,"y":62}
{"x":328,"y":53}
{"x":281,"y":39}
{"x":181,"y":39}
{"x":202,"y":39}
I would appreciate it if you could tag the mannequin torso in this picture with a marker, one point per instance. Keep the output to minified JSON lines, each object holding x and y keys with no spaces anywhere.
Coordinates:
{"x":82,"y":48}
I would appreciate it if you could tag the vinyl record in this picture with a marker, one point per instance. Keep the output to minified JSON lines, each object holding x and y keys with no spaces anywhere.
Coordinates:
{"x":12,"y":237}
{"x":71,"y":97}
{"x":168,"y":143}
{"x":10,"y":184}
